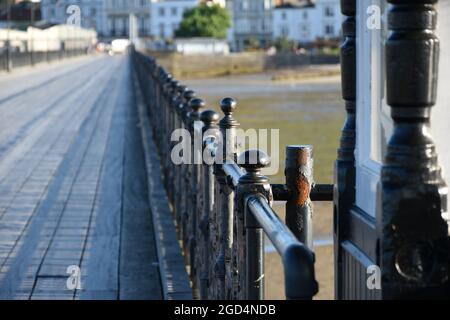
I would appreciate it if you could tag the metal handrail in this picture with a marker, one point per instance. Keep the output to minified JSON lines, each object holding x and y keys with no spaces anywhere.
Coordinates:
{"x":222,"y":208}
{"x":298,"y":260}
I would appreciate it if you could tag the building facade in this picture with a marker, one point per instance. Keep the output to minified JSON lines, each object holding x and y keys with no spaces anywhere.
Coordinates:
{"x":117,"y":15}
{"x":307,"y":22}
{"x":252,"y":23}
{"x":111,"y":18}
{"x":166,"y":16}
{"x":158,"y":19}
{"x":91,"y":14}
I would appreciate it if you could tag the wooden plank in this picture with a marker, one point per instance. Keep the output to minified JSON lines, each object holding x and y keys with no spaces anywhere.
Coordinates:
{"x":53,"y":175}
{"x":52,"y":288}
{"x":100,"y":265}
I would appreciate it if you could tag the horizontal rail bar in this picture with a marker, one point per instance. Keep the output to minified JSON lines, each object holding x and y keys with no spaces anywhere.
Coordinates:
{"x":234,"y":172}
{"x":319,"y":192}
{"x":298,"y":260}
{"x":322,"y":192}
{"x":279,"y":234}
{"x":280,"y":192}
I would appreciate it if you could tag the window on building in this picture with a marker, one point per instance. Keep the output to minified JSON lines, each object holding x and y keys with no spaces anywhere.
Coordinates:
{"x":162,"y":32}
{"x":304,"y":31}
{"x":329,"y":12}
{"x":267,"y":4}
{"x":174,"y":28}
{"x":283,"y":15}
{"x":93,"y":12}
{"x":142,"y":26}
{"x":329,"y":30}
{"x":284,"y":31}
{"x":244,"y":5}
{"x":125,"y":26}
{"x":305,"y":15}
{"x":161,"y":12}
{"x":173,"y":11}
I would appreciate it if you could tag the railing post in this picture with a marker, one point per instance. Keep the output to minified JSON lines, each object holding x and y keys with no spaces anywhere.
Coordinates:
{"x":154,"y":91}
{"x":183,"y":178}
{"x":211,"y":134}
{"x":252,"y":183}
{"x":178,"y":189}
{"x":164,"y":80}
{"x":299,"y":181}
{"x":415,"y":246}
{"x":193,"y":117}
{"x":223,"y":268}
{"x":170,"y":91}
{"x":176,"y":100}
{"x":344,"y":191}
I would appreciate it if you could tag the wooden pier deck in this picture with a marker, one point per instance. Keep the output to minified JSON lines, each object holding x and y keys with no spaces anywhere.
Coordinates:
{"x":74,"y":189}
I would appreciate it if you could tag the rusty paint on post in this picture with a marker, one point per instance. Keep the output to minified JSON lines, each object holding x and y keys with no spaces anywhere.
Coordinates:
{"x":299,"y":181}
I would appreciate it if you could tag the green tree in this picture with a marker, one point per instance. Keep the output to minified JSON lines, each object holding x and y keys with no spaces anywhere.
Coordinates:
{"x":205,"y":21}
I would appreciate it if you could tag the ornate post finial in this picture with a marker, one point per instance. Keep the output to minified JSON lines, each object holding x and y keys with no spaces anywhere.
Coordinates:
{"x":228,"y":105}
{"x":228,"y":127}
{"x":186,"y":107}
{"x":189,"y":95}
{"x":195,"y":105}
{"x":253,"y":161}
{"x":210,"y":118}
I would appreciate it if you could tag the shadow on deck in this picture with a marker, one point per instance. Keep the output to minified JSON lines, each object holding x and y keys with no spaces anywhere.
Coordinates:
{"x":74,"y":189}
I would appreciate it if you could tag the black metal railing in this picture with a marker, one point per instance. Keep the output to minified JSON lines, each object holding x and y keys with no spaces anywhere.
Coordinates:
{"x":10,"y":59}
{"x":223,"y":208}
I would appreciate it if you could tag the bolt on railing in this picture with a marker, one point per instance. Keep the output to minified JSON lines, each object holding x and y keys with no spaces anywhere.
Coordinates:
{"x":221,"y":201}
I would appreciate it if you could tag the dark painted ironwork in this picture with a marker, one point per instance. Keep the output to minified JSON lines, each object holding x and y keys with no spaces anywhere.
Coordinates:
{"x":207,"y":252}
{"x":344,"y":193}
{"x":319,"y":192}
{"x":221,"y":212}
{"x":223,"y":209}
{"x":299,"y":181}
{"x":415,"y":237}
{"x":253,"y":183}
{"x":12,"y":59}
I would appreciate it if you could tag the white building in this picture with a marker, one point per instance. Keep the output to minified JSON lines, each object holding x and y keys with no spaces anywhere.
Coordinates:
{"x":308,"y":21}
{"x":252,"y":21}
{"x":91,"y":13}
{"x":220,"y":3}
{"x":166,"y":16}
{"x":111,"y":18}
{"x":117,"y":15}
